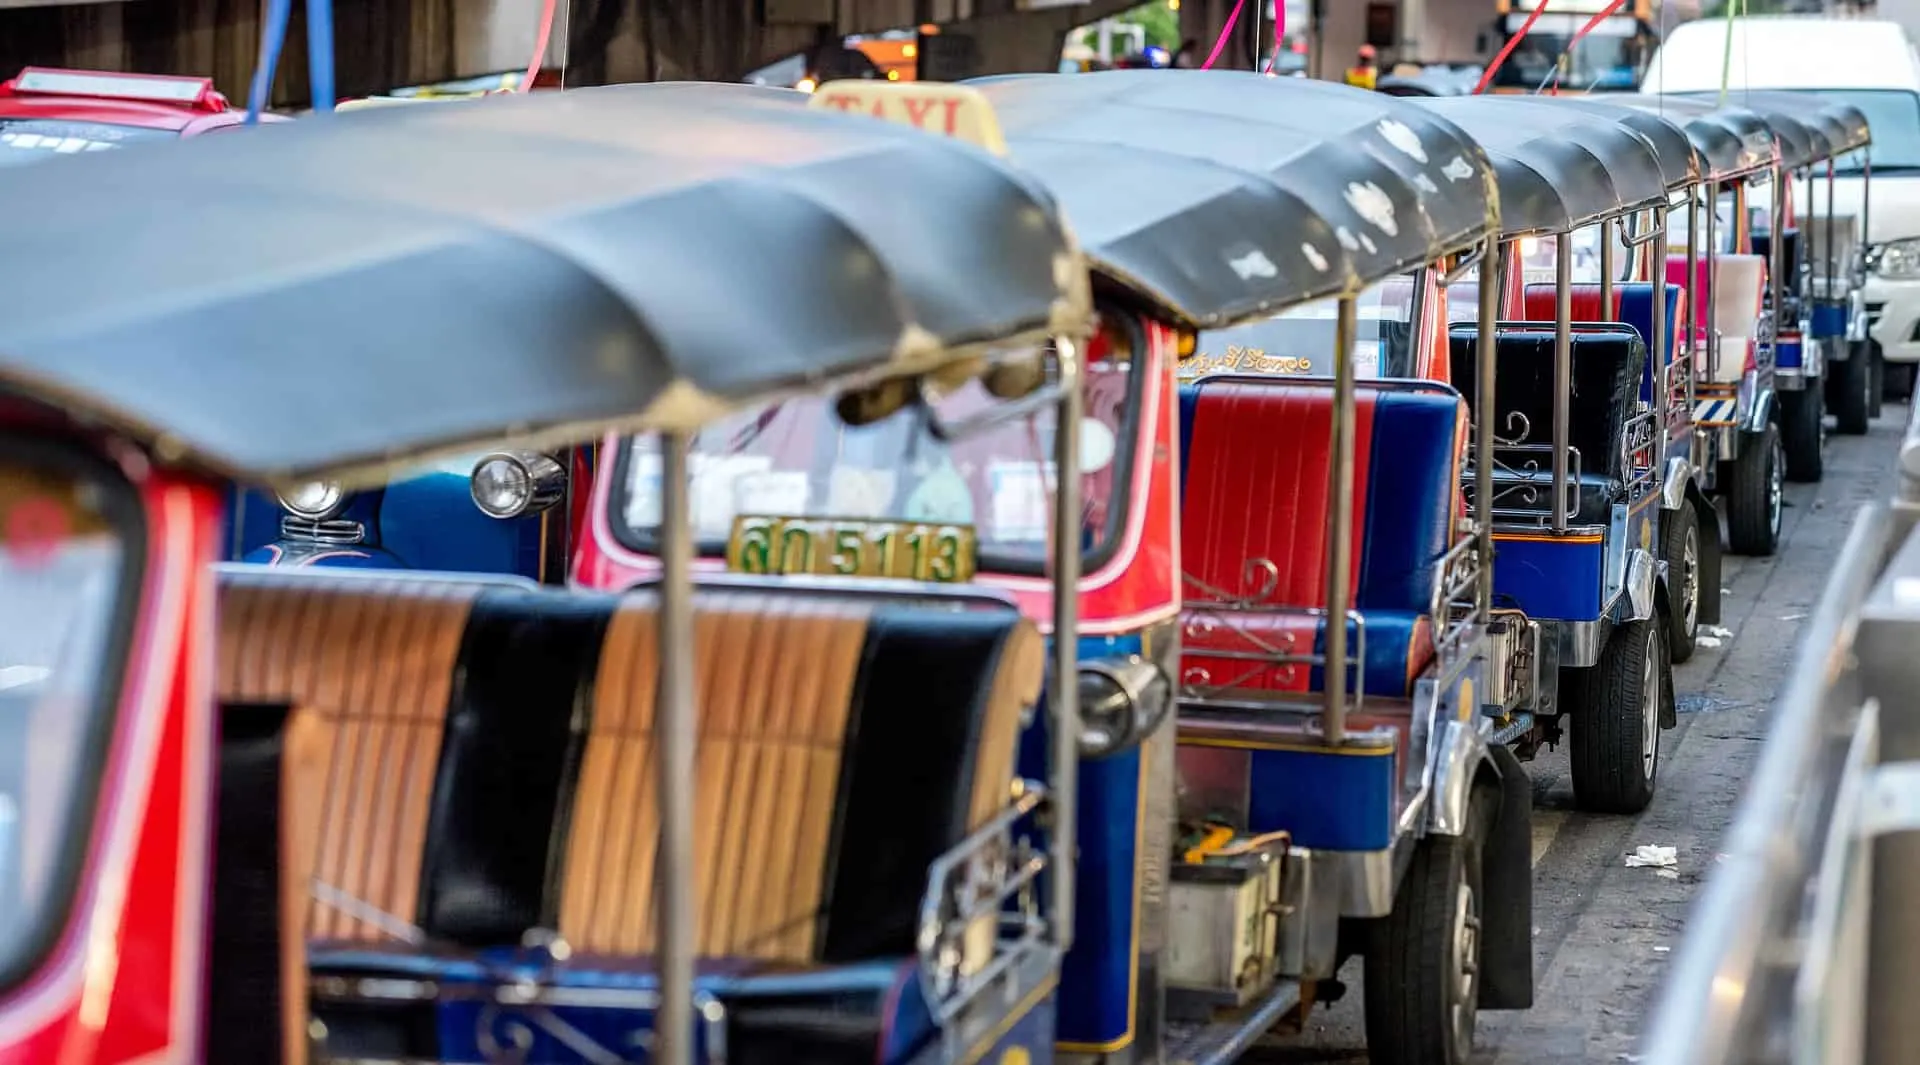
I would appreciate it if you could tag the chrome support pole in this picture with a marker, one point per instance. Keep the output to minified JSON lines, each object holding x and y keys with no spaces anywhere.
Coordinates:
{"x":1492,"y":283}
{"x":1832,"y":255}
{"x":1063,"y":694}
{"x":1662,"y":346}
{"x":1713,"y":252}
{"x":674,"y":758}
{"x":1693,"y":332}
{"x":1608,"y":313}
{"x":1340,"y":526}
{"x":1562,"y":373}
{"x":1777,"y":262}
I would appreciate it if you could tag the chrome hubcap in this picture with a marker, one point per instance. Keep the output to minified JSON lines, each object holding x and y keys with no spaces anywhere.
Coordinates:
{"x":1650,"y":709}
{"x":1466,"y":970}
{"x":1690,"y":579}
{"x":1776,"y":487}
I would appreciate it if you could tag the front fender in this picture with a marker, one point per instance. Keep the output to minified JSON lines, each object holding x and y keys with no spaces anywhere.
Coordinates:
{"x":358,"y":556}
{"x":1457,"y":761}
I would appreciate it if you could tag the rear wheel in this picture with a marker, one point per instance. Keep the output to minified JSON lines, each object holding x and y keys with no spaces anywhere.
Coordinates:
{"x":1877,"y":391}
{"x":1680,"y":546}
{"x":1848,"y":391}
{"x":1614,"y":738}
{"x":1422,"y":961}
{"x":1803,"y":429}
{"x":1899,"y":381}
{"x":1756,"y":488}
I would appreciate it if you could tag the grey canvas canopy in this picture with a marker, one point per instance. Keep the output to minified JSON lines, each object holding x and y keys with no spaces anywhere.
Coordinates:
{"x":1221,"y":196}
{"x":343,"y":294}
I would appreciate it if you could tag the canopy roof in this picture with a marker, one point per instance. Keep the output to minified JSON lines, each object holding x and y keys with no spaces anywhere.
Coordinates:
{"x":1558,"y":169}
{"x":1733,"y":140}
{"x":342,"y":295}
{"x":1680,"y":162}
{"x":1219,"y":196}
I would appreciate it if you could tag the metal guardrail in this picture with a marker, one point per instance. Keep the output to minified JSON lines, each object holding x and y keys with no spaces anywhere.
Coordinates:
{"x":1804,"y":946}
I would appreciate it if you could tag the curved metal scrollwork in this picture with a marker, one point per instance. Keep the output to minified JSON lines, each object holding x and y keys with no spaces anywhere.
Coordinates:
{"x":1260,"y":570}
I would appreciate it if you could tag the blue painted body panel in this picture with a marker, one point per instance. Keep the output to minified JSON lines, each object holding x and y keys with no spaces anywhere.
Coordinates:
{"x":1560,"y":580}
{"x":427,"y":522}
{"x":1095,"y":998}
{"x":1335,"y":801}
{"x":1788,"y":354}
{"x":466,"y":985}
{"x":1829,"y":319}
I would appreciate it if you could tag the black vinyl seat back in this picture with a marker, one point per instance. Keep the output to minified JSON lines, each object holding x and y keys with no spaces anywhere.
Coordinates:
{"x":1607,"y":367}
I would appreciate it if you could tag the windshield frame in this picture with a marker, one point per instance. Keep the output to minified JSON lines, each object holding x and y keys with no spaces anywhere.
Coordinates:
{"x":646,"y":541}
{"x":125,"y":514}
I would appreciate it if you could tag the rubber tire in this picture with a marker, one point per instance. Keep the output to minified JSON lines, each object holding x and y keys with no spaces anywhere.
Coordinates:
{"x":1803,"y":433}
{"x":1877,"y":391}
{"x":1408,"y":958}
{"x":1852,"y":381}
{"x":1675,"y":529}
{"x":1753,"y":519}
{"x":1607,"y":705}
{"x":1899,"y":381}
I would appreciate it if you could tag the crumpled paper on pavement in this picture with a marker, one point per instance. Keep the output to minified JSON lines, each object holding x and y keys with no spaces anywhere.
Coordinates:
{"x":1653,"y":855}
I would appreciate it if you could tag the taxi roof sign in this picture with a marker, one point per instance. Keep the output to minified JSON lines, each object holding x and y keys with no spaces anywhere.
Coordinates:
{"x":150,"y":88}
{"x":956,"y":111}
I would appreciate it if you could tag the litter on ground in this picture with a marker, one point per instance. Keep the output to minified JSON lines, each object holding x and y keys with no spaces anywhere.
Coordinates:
{"x":1653,"y":854}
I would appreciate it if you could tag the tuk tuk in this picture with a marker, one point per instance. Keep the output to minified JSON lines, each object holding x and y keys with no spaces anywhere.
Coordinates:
{"x":1575,"y":486}
{"x":1287,"y":192}
{"x":1819,"y":272}
{"x":1803,"y":948}
{"x":1741,"y":453}
{"x":466,"y":817}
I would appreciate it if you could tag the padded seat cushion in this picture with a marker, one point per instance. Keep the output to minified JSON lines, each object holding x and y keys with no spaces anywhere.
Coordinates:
{"x":489,"y":766}
{"x":1256,"y":493}
{"x":1632,"y":305}
{"x":1608,"y":366}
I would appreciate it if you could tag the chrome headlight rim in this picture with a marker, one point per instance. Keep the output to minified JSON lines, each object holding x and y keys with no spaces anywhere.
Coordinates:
{"x":1896,"y":260}
{"x":541,"y":481}
{"x":327,"y":500}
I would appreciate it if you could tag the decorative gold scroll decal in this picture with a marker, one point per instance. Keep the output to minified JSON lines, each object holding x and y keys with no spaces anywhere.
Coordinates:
{"x":1250,"y":360}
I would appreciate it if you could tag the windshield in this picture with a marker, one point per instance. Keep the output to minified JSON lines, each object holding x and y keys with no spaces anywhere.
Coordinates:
{"x":1610,"y":57}
{"x":796,"y":458}
{"x":1894,"y":117}
{"x":64,"y":557}
{"x":1724,"y":231}
{"x":24,"y":140}
{"x":1300,"y":340}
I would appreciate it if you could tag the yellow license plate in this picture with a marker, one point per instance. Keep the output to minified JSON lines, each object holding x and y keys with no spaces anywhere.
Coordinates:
{"x":840,"y":548}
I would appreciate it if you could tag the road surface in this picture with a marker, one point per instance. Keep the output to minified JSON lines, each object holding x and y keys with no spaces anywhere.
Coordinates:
{"x":1604,"y":932}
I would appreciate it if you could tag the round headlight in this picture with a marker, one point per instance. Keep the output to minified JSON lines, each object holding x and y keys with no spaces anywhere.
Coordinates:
{"x":315,"y":500}
{"x":507,"y":484}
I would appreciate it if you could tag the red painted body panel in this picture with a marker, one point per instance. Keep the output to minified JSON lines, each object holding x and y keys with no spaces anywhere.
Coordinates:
{"x":125,"y":980}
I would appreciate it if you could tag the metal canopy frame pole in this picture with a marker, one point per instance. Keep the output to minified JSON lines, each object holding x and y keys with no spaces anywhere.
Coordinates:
{"x":674,"y":931}
{"x":1662,"y":340}
{"x":1832,"y":256}
{"x":1607,"y":310}
{"x":1777,"y":263}
{"x":1694,"y":302}
{"x":1340,"y":525}
{"x":1562,"y":372}
{"x":1713,"y":255}
{"x":1063,"y":695}
{"x":1492,"y":283}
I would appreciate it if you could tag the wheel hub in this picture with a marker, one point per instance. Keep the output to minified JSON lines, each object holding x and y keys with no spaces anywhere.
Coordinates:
{"x":1466,"y":970}
{"x":1650,"y":709}
{"x":1776,"y":487}
{"x":1690,"y":579}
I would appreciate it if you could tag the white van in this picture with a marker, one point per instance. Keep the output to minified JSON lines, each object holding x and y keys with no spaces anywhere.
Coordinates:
{"x":1869,"y":63}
